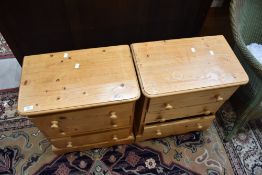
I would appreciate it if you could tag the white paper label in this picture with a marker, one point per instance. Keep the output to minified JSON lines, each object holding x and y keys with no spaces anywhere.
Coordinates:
{"x":28,"y":108}
{"x":66,"y":55}
{"x":77,"y":65}
{"x":193,"y":49}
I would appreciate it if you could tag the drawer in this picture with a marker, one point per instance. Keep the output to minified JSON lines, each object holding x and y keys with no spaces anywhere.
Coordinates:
{"x":83,"y":121}
{"x":176,"y":113}
{"x":176,"y":127}
{"x":190,"y":99}
{"x":80,"y":140}
{"x":127,"y":140}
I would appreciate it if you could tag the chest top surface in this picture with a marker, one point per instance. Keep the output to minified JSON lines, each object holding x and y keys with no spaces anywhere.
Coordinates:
{"x":186,"y":65}
{"x":77,"y":79}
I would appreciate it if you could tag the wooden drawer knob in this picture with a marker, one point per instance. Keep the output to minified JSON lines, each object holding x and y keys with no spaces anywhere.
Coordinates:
{"x":69,"y":145}
{"x":115,"y":138}
{"x":207,"y":112}
{"x":161,"y":119}
{"x":158,"y":132}
{"x":63,"y":133}
{"x":219,"y":98}
{"x":168,"y":106}
{"x":199,"y":126}
{"x":54,"y":124}
{"x":114,"y":125}
{"x":113,"y":116}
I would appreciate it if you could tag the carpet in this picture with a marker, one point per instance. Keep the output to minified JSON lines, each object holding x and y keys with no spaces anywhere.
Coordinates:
{"x":245,"y":149}
{"x":5,"y":51}
{"x":24,"y":150}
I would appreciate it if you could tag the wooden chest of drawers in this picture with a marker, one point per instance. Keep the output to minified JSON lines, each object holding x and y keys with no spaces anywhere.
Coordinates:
{"x":81,"y":99}
{"x":184,"y":82}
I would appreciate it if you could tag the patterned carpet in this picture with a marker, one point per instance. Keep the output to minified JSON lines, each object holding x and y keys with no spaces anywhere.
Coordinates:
{"x":24,"y":150}
{"x":245,"y":149}
{"x":5,"y":51}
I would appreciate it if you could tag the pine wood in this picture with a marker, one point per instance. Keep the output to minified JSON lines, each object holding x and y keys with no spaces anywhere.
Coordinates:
{"x":182,"y":79}
{"x":51,"y":83}
{"x":91,"y":138}
{"x":127,"y":140}
{"x":81,"y":99}
{"x":191,"y":99}
{"x":87,"y":120}
{"x":170,"y":67}
{"x":163,"y":116}
{"x":140,"y":113}
{"x":176,"y":127}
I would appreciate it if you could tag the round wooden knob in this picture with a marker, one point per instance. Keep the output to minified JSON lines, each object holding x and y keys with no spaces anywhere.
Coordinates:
{"x":113,"y":118}
{"x":207,"y":112}
{"x":54,"y":124}
{"x":63,"y":133}
{"x":199,"y":126}
{"x":69,"y":145}
{"x":161,"y":119}
{"x":219,"y":98}
{"x":168,"y":106}
{"x":158,"y":132}
{"x":114,"y":125}
{"x":113,"y":115}
{"x":115,"y":138}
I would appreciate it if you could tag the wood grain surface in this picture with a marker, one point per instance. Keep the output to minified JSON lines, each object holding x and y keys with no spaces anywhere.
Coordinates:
{"x":91,"y":138}
{"x":191,"y":99}
{"x":78,"y":79}
{"x":176,"y":127}
{"x":127,"y":140}
{"x":164,"y":116}
{"x":186,"y":65}
{"x":86,"y":120}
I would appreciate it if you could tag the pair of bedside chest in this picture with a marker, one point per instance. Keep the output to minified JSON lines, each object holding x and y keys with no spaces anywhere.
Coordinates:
{"x":91,"y":98}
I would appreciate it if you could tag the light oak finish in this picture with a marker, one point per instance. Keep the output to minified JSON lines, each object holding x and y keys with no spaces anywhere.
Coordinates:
{"x":171,"y":67}
{"x":176,"y":127}
{"x":127,"y":140}
{"x":140,"y":113}
{"x":51,"y":83}
{"x":85,"y":139}
{"x":163,"y":116}
{"x":191,"y":99}
{"x":87,"y":120}
{"x":182,"y":79}
{"x":81,"y":99}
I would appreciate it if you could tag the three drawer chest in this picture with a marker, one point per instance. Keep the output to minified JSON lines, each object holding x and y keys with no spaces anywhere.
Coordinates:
{"x":183,"y":84}
{"x":81,"y":99}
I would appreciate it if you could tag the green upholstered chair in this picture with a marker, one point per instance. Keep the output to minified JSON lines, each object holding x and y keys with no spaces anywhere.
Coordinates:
{"x":246,"y":24}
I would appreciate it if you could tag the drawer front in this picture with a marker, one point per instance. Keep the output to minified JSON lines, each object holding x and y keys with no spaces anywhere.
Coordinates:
{"x":176,"y":127}
{"x":190,"y":99}
{"x":90,"y":120}
{"x":76,"y":141}
{"x":163,"y":116}
{"x":127,"y":140}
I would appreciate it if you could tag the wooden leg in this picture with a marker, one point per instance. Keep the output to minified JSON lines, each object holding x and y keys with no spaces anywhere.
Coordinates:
{"x":248,"y":114}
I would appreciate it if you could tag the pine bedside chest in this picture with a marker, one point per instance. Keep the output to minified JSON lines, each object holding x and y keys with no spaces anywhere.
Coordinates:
{"x":183,"y":82}
{"x":81,"y":99}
